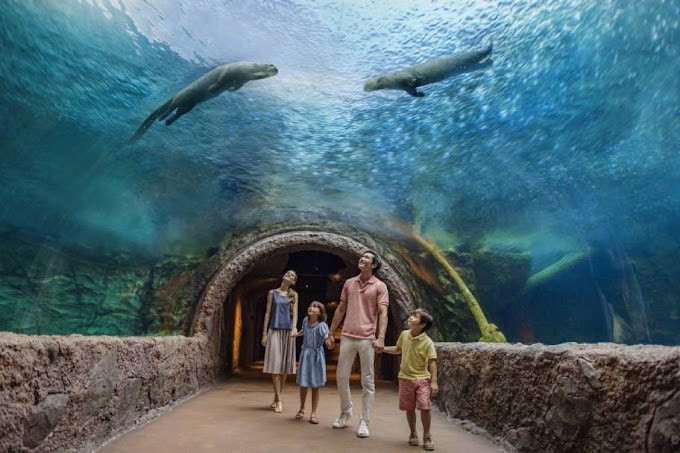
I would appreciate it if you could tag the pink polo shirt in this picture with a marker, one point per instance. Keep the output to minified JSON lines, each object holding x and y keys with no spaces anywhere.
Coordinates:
{"x":361,"y":314}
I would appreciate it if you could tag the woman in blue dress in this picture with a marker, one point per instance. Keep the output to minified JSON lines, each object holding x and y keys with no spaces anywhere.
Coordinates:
{"x":278,"y":331}
{"x":312,"y":366}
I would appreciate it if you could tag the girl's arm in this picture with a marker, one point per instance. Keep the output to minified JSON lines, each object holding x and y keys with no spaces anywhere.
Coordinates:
{"x":434,"y":386}
{"x":394,"y":350}
{"x":267,"y":313}
{"x":299,"y":333}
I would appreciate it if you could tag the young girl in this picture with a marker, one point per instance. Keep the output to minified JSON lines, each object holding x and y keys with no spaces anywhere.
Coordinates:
{"x":312,"y":366}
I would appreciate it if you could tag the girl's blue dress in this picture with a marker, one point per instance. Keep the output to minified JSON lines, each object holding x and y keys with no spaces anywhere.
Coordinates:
{"x":312,"y":367}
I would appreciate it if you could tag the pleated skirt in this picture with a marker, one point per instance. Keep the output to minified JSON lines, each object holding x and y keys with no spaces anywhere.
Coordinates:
{"x":279,"y":355}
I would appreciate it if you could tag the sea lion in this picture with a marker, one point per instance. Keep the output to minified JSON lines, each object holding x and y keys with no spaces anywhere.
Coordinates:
{"x":228,"y":77}
{"x":431,"y":71}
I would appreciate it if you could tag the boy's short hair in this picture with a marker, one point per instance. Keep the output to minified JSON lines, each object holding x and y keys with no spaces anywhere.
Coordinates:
{"x":425,"y":318}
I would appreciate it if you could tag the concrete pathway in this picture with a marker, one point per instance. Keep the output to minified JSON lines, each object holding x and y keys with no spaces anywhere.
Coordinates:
{"x":234,"y":416}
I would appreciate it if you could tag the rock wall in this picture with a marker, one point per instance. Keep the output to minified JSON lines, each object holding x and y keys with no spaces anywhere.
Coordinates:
{"x":71,"y":393}
{"x":566,"y":398}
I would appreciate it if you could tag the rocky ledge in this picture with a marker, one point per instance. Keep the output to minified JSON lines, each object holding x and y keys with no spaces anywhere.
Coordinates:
{"x":566,"y":398}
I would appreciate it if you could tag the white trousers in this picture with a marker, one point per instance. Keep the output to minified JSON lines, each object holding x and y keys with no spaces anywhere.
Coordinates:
{"x":349,"y":348}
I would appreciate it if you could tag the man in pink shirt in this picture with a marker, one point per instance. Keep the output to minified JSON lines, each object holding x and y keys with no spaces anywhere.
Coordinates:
{"x":363,"y":304}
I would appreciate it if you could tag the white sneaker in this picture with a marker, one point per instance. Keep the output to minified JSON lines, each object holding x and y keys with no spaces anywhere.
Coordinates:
{"x":363,"y":429}
{"x":341,"y":421}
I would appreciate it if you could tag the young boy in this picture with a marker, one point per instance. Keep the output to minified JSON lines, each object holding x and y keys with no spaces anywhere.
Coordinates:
{"x":417,"y":374}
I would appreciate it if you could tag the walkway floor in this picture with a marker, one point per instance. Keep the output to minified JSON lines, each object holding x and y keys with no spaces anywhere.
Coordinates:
{"x":234,"y":416}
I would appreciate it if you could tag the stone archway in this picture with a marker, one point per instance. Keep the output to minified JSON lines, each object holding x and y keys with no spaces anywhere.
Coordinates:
{"x":209,"y":311}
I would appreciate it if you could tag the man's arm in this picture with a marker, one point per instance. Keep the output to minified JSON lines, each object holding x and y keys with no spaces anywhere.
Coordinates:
{"x":337,"y":318}
{"x":379,"y":344}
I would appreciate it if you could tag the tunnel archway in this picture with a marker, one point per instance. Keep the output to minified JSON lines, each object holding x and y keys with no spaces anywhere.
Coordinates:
{"x":218,"y":310}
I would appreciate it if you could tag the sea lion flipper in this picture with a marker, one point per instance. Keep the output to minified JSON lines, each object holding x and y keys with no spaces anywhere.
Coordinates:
{"x":411,"y":85}
{"x":235,"y":86}
{"x":180,"y":111}
{"x":230,"y":85}
{"x":161,"y":112}
{"x":413,"y":92}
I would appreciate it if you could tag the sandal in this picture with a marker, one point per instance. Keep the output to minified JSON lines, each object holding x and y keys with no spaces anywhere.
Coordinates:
{"x":313,"y":420}
{"x":428,"y":444}
{"x":279,"y":407}
{"x":300,"y":414}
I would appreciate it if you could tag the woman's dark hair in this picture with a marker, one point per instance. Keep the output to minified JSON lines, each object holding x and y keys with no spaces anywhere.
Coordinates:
{"x":376,"y":259}
{"x":322,"y":309}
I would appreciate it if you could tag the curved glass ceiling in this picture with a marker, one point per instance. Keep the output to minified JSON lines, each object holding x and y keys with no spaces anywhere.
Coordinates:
{"x":569,"y":140}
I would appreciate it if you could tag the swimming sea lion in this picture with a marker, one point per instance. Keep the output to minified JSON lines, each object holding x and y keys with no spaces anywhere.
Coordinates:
{"x":228,"y":77}
{"x":431,"y":71}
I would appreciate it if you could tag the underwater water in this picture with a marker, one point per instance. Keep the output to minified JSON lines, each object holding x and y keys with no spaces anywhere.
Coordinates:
{"x":567,"y":143}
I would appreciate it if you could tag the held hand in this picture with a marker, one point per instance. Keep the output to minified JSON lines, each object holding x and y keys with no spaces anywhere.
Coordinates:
{"x":264,"y":340}
{"x":434,"y":389}
{"x":379,"y":345}
{"x":294,"y":332}
{"x":330,"y":342}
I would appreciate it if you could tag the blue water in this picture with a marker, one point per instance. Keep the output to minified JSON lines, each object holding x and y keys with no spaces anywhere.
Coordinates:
{"x":570,"y":138}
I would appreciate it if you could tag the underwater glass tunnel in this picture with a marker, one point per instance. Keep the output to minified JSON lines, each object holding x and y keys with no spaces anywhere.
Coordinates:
{"x":548,"y":176}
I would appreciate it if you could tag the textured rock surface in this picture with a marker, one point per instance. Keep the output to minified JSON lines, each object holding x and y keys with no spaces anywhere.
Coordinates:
{"x":63,"y":393}
{"x":566,"y":398}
